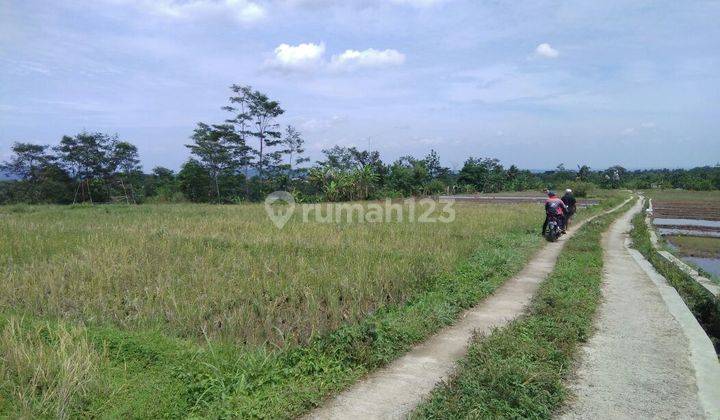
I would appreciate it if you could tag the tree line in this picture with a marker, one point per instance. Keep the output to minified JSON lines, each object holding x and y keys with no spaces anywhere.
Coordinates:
{"x":249,"y":155}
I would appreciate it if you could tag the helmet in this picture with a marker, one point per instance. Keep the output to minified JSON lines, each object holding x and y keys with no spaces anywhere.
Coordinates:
{"x":568,"y":191}
{"x":551,"y":193}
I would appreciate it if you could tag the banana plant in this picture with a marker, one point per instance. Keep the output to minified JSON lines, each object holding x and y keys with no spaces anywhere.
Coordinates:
{"x":365,"y":178}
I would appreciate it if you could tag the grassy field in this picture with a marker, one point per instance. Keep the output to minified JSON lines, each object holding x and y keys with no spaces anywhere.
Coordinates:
{"x":192,"y":310}
{"x":183,"y":280}
{"x":518,"y":371}
{"x":225,"y":272}
{"x":696,"y":246}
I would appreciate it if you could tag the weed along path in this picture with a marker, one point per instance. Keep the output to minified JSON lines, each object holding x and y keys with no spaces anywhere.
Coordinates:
{"x":648,"y":358}
{"x":394,"y":391}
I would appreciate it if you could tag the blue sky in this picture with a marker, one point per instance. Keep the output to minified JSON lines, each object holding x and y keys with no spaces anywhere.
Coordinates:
{"x":533,"y":83}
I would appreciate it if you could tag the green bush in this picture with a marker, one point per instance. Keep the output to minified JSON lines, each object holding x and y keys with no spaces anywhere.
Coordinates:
{"x":435,"y":187}
{"x":580,"y":189}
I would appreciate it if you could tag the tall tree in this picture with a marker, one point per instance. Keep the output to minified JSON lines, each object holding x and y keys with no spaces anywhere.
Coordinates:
{"x":408,"y":175}
{"x":255,"y":115}
{"x":87,"y":157}
{"x":195,"y":181}
{"x":86,"y":154}
{"x":339,"y":158}
{"x":27,"y":160}
{"x":162,"y":182}
{"x":240,"y":124}
{"x":583,"y":173}
{"x":124,"y":160}
{"x":435,"y":169}
{"x":512,"y":173}
{"x":295,"y":146}
{"x":485,"y":175}
{"x":264,"y":113}
{"x":41,"y":180}
{"x":213,"y":148}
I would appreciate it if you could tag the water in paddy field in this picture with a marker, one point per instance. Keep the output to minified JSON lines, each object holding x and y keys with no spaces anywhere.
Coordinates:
{"x":711,"y":265}
{"x":690,"y":227}
{"x":688,"y":232}
{"x":687,"y":222}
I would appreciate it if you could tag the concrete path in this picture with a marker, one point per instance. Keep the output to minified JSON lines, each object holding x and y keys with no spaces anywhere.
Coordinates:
{"x":394,"y":391}
{"x":648,"y":358}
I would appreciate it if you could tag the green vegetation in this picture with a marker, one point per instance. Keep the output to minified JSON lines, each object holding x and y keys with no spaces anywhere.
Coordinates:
{"x":226,"y":272}
{"x":48,"y":371}
{"x":518,"y":371}
{"x":696,"y":246}
{"x":211,"y":310}
{"x":248,"y":155}
{"x":147,"y":301}
{"x":701,"y":302}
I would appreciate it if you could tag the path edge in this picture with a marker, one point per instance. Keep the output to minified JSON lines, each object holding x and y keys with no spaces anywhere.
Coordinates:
{"x":702,"y":353}
{"x":323,"y":410}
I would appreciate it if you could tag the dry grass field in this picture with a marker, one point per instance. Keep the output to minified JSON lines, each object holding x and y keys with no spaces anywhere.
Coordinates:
{"x":205,"y":310}
{"x":225,"y":271}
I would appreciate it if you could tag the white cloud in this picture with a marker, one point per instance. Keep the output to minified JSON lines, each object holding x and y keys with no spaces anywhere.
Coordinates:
{"x":430,"y":141}
{"x":310,"y":56}
{"x":545,"y":50}
{"x":241,"y":10}
{"x":317,"y":4}
{"x":371,"y":57}
{"x":418,"y":3}
{"x":644,"y":127}
{"x":321,"y":124}
{"x":298,"y":57}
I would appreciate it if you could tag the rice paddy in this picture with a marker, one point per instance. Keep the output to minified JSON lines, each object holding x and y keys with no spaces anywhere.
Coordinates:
{"x":226,"y":272}
{"x":212,"y":311}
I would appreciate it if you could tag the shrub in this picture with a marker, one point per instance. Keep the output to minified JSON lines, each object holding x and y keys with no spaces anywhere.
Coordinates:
{"x":435,"y":187}
{"x":580,"y":189}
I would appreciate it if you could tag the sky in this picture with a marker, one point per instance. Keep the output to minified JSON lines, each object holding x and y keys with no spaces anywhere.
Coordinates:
{"x":533,"y":83}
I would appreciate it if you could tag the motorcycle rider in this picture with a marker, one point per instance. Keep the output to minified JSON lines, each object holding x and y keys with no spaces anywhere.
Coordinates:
{"x":570,"y":203}
{"x":554,"y":207}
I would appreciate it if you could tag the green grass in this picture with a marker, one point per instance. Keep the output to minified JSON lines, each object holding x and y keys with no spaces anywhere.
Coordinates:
{"x":518,"y":371}
{"x":701,"y":302}
{"x":225,"y":272}
{"x":130,"y":282}
{"x":696,"y":246}
{"x":48,"y":371}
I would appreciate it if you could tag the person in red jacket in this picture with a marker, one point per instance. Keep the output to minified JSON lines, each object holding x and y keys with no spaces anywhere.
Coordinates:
{"x":554,"y":207}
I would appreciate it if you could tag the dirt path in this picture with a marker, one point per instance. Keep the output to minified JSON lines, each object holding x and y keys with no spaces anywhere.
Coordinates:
{"x":648,"y":357}
{"x":394,"y":391}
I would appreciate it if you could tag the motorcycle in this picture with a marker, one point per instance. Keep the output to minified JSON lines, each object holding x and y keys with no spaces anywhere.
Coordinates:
{"x":554,"y":229}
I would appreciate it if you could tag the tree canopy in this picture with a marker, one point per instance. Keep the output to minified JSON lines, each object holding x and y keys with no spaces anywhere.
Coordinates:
{"x":248,"y":155}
